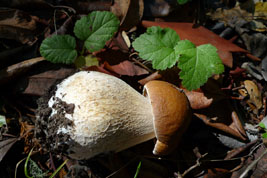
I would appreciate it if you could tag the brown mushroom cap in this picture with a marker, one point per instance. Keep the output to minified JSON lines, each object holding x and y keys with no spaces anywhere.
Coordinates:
{"x":172,"y":114}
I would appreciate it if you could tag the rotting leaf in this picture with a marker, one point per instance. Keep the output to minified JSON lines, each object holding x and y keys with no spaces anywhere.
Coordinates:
{"x":17,"y":25}
{"x":87,"y":61}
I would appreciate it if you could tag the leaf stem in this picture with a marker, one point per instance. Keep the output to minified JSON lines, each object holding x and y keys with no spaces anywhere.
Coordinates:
{"x":83,"y":49}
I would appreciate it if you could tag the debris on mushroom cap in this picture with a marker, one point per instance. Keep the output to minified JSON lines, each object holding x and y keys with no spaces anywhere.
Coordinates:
{"x":106,"y":114}
{"x":172,"y":114}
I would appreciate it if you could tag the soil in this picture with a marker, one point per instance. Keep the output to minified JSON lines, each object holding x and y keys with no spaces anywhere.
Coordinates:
{"x":46,"y":126}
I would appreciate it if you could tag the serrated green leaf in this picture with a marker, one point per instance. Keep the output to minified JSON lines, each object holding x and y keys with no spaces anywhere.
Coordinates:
{"x":157,"y":45}
{"x":59,"y":49}
{"x":197,"y":64}
{"x":82,"y":28}
{"x":96,"y":29}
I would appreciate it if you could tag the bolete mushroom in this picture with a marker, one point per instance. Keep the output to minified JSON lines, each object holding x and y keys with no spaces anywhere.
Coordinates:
{"x":106,"y":114}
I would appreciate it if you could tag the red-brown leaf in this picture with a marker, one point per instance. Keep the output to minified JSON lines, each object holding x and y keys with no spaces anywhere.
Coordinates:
{"x":126,"y":68}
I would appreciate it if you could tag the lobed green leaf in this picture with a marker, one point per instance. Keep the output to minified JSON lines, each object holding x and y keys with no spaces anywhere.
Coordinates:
{"x":157,"y":45}
{"x":59,"y":49}
{"x":96,"y":29}
{"x":197,"y":64}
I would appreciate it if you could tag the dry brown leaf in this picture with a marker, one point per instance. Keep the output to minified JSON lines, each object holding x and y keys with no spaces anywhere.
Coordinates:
{"x":6,"y":145}
{"x":199,"y":36}
{"x":39,"y":84}
{"x":197,"y":99}
{"x":129,"y":12}
{"x":254,"y":93}
{"x":126,"y":68}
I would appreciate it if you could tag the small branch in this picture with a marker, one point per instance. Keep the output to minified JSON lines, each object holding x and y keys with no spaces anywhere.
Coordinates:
{"x":198,"y":164}
{"x":250,"y":167}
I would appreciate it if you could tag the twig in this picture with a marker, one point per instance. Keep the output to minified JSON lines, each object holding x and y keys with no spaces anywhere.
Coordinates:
{"x":198,"y":163}
{"x":250,"y":167}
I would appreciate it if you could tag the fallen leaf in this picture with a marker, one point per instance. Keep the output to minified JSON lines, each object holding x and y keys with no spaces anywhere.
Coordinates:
{"x":153,"y":76}
{"x":226,"y":15}
{"x":254,"y":94}
{"x":199,"y":36}
{"x":129,"y":12}
{"x":18,"y":25}
{"x":38,"y":84}
{"x":261,"y":10}
{"x":126,"y":68}
{"x":5,"y":146}
{"x":197,"y":99}
{"x":119,"y":43}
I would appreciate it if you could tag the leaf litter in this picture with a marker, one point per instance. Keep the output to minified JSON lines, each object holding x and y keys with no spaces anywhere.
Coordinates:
{"x":205,"y":149}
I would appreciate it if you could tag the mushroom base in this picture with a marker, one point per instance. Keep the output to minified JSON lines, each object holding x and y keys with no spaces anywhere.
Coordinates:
{"x":46,"y":127}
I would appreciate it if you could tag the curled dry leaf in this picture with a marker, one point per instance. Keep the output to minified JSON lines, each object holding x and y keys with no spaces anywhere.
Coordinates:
{"x":129,"y":12}
{"x":153,"y":76}
{"x":251,"y":90}
{"x":254,"y":93}
{"x":197,"y":99}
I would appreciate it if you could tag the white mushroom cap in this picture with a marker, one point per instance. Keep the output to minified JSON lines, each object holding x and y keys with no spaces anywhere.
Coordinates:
{"x":108,"y":114}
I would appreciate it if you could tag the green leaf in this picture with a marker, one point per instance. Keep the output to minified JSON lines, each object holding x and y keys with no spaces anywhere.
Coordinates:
{"x":2,"y":120}
{"x":181,"y":2}
{"x":96,"y":29}
{"x":264,"y":135}
{"x":59,"y":49}
{"x":262,"y":125}
{"x":137,"y":170}
{"x":157,"y":45}
{"x":82,"y":28}
{"x":197,"y":64}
